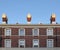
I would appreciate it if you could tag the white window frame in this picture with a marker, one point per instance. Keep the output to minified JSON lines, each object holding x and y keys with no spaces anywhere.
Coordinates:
{"x":19,"y":32}
{"x":37,"y":33}
{"x":52,"y":43}
{"x":19,"y":42}
{"x":6,"y":32}
{"x":38,"y":43}
{"x":49,"y":34}
{"x":5,"y":43}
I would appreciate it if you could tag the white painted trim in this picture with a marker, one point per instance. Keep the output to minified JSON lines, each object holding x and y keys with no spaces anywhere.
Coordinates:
{"x":4,"y":22}
{"x":33,"y":43}
{"x":19,"y":42}
{"x":5,"y":31}
{"x":33,"y":31}
{"x":5,"y":43}
{"x":53,"y":22}
{"x":28,"y":22}
{"x":19,"y":32}
{"x":47,"y":43}
{"x":48,"y":33}
{"x":30,"y":25}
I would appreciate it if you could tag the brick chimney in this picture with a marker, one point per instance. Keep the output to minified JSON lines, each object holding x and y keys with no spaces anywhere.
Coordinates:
{"x":29,"y":18}
{"x":52,"y":19}
{"x":4,"y":19}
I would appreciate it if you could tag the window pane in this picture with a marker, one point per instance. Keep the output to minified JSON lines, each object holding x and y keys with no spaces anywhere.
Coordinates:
{"x":7,"y":43}
{"x":7,"y":32}
{"x":35,"y":32}
{"x":49,"y":31}
{"x":21,"y":32}
{"x":50,"y":43}
{"x":21,"y":43}
{"x":35,"y":43}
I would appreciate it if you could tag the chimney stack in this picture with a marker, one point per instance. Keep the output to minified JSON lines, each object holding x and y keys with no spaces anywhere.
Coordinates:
{"x":53,"y":18}
{"x":29,"y":18}
{"x":4,"y":19}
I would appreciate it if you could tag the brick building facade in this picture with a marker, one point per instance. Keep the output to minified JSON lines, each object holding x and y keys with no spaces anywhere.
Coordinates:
{"x":29,"y":35}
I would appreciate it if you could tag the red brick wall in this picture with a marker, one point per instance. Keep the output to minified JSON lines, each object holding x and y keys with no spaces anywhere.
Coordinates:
{"x":29,"y":39}
{"x":14,"y":41}
{"x":14,"y":31}
{"x":42,"y":31}
{"x":28,"y":31}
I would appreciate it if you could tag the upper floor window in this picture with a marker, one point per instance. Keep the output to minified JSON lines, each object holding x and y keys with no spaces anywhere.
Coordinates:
{"x":49,"y":43}
{"x":8,"y":43}
{"x":22,"y":43}
{"x":8,"y":32}
{"x":21,"y":32}
{"x":35,"y":32}
{"x":49,"y":31}
{"x":35,"y":43}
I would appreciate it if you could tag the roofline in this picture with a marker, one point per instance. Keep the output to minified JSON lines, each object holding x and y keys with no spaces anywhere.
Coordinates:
{"x":29,"y":24}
